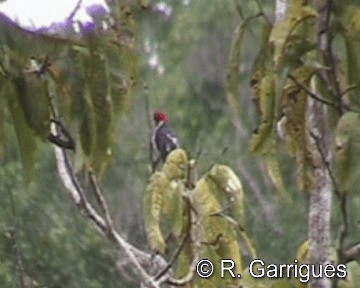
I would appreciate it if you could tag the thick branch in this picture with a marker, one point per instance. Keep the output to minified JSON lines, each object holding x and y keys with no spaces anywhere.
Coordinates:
{"x":137,"y":257}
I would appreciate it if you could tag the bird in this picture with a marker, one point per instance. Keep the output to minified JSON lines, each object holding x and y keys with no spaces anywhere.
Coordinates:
{"x":164,"y":137}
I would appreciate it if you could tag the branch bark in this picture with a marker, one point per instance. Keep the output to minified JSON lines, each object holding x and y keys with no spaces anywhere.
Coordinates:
{"x":320,"y":153}
{"x":141,"y":260}
{"x":153,"y":270}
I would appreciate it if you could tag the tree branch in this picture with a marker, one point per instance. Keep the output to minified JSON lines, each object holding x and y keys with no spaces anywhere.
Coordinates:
{"x":343,"y":231}
{"x":348,"y":89}
{"x":352,"y":253}
{"x":75,"y":10}
{"x":71,"y":183}
{"x":326,"y":163}
{"x":332,"y":80}
{"x":101,"y":201}
{"x":311,"y":94}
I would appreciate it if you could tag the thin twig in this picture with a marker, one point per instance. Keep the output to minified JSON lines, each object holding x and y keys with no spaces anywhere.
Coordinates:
{"x":71,"y":182}
{"x":263,"y":13}
{"x":352,"y":253}
{"x":150,"y":128}
{"x":326,"y":163}
{"x":101,"y":200}
{"x":73,"y":13}
{"x":348,"y":89}
{"x":330,"y":59}
{"x":196,"y":248}
{"x":311,"y":94}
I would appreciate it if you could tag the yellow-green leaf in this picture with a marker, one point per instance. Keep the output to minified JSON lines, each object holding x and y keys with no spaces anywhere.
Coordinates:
{"x":163,"y":201}
{"x":260,"y":141}
{"x":235,"y":59}
{"x":290,"y":27}
{"x":347,"y":153}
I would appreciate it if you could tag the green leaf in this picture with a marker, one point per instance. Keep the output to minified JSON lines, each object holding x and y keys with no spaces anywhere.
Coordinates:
{"x":163,"y":201}
{"x":32,"y":97}
{"x":230,"y":185}
{"x":153,"y":202}
{"x":296,"y":133}
{"x":265,"y":91}
{"x":291,"y":28}
{"x":221,"y":223}
{"x":235,"y":59}
{"x":26,"y":139}
{"x":353,"y":69}
{"x":87,"y":127}
{"x":347,"y":154}
{"x":96,"y":77}
{"x":273,"y":166}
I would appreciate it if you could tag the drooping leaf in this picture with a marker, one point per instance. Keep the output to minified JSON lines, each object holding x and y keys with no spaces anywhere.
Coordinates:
{"x":96,"y":77}
{"x":121,"y":81}
{"x":218,"y":198}
{"x":261,"y":140}
{"x":265,"y":140}
{"x":153,"y":202}
{"x":231,"y":186}
{"x":32,"y":97}
{"x":347,"y":140}
{"x":290,"y":28}
{"x":347,"y":19}
{"x":295,"y":103}
{"x":87,"y":127}
{"x":303,"y":252}
{"x":263,"y":61}
{"x":295,"y":106}
{"x":235,"y":59}
{"x":353,"y":69}
{"x":163,"y":201}
{"x":25,"y":135}
{"x":273,"y":166}
{"x":67,"y":73}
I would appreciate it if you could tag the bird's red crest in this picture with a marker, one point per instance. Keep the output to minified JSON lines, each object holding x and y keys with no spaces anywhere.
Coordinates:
{"x":161,"y":116}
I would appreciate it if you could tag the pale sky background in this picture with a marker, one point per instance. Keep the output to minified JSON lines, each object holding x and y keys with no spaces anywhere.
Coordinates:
{"x":44,"y":12}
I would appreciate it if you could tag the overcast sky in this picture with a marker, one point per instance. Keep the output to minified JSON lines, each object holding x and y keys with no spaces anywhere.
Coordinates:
{"x":42,"y":13}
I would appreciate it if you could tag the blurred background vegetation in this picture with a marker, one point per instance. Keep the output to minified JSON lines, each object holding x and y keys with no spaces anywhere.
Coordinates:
{"x":183,"y":50}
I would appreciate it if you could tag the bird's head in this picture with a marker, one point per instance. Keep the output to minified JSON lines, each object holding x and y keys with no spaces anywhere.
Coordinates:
{"x":160,"y":117}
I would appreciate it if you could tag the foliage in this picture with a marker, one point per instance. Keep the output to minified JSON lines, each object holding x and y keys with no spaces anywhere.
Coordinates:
{"x":217,"y":199}
{"x":207,"y":54}
{"x":65,"y":71}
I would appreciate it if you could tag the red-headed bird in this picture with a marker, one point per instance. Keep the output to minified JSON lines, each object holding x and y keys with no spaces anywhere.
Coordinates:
{"x":165,"y":139}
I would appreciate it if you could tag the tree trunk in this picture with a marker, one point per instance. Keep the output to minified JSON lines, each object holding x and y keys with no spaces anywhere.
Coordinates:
{"x":321,"y":191}
{"x":318,"y":155}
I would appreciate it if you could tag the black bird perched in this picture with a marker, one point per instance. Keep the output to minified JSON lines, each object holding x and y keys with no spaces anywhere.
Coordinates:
{"x":165,"y":139}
